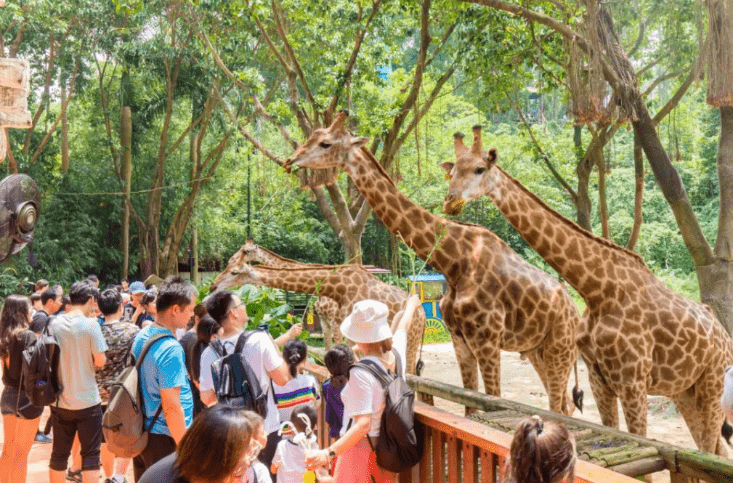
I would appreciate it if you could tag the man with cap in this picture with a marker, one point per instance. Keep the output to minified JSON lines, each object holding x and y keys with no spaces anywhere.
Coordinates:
{"x":134,"y":311}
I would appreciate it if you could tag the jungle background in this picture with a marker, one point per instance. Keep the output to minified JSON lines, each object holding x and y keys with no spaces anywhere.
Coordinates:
{"x":160,"y":127}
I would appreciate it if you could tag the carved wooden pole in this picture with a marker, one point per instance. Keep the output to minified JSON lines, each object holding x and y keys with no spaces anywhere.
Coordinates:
{"x":14,"y":88}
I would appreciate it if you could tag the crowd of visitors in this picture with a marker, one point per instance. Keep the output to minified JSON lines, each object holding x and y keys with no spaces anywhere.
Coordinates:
{"x":194,"y":354}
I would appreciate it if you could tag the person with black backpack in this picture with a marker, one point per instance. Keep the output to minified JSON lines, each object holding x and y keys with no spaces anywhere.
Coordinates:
{"x":378,"y":437}
{"x":20,"y":417}
{"x":166,"y":392}
{"x":229,"y":365}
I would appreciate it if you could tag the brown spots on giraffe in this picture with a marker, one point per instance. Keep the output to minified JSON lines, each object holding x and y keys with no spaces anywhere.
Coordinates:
{"x":591,"y":285}
{"x":532,"y":236}
{"x":549,"y":231}
{"x":561,"y":238}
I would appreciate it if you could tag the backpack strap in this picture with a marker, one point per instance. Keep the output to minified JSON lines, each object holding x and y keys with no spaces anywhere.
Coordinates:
{"x":138,"y":364}
{"x":243,"y":337}
{"x":375,"y":370}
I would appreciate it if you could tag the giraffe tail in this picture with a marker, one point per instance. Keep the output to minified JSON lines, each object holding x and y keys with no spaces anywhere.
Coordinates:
{"x":577,"y":392}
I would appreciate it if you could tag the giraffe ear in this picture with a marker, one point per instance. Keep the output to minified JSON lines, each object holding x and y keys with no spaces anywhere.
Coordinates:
{"x":358,"y":142}
{"x":338,"y":121}
{"x":491,"y":157}
{"x":447,"y":167}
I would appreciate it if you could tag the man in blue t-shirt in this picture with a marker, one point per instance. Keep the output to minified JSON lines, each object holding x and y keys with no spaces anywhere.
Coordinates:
{"x":163,"y":374}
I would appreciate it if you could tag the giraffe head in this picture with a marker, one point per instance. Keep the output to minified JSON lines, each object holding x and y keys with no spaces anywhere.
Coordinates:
{"x":237,"y":273}
{"x":328,"y":147}
{"x":470,"y":175}
{"x":248,"y":252}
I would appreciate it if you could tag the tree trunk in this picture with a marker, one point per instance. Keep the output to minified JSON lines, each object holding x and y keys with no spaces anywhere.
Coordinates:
{"x":64,"y":130}
{"x":583,"y":170}
{"x":600,"y":161}
{"x":716,"y":279}
{"x":638,"y":193}
{"x":126,"y":171}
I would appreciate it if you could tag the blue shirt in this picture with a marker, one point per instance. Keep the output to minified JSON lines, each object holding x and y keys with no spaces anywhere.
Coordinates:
{"x":164,"y":367}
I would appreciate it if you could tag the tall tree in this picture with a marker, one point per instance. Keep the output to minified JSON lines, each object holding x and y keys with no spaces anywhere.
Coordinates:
{"x":318,"y":57}
{"x":620,"y":75}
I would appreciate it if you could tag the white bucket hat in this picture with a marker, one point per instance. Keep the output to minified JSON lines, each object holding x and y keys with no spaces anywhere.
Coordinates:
{"x":367,"y":322}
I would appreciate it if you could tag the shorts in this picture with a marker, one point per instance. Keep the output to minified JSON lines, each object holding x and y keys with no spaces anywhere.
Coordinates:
{"x":87,"y":423}
{"x":15,"y":402}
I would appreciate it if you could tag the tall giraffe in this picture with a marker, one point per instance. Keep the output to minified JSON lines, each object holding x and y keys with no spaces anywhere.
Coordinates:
{"x":345,"y":284}
{"x":495,"y":300}
{"x":638,"y":336}
{"x":327,"y":308}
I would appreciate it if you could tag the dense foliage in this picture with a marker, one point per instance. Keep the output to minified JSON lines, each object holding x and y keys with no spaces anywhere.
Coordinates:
{"x":124,"y":54}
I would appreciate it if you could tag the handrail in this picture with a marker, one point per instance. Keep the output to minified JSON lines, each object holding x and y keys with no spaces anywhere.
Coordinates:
{"x":460,"y":450}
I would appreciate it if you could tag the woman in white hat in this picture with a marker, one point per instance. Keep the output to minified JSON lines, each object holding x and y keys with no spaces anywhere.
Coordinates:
{"x":369,"y":328}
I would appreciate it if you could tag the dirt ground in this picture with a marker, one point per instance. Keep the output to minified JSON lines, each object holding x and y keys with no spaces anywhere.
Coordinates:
{"x":519,"y":382}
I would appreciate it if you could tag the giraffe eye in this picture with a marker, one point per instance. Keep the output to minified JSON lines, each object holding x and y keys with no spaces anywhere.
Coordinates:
{"x":324,"y":145}
{"x":235,"y":272}
{"x":480,"y":170}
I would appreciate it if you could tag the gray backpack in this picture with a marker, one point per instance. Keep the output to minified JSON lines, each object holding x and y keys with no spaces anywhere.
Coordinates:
{"x":123,"y":423}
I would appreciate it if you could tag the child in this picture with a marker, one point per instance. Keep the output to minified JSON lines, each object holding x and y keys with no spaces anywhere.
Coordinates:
{"x":289,"y":460}
{"x":302,"y":389}
{"x":257,"y":472}
{"x":340,"y":354}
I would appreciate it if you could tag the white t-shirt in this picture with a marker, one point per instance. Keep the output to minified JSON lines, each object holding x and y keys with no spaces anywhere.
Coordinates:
{"x":726,"y":400}
{"x":257,"y":473}
{"x":290,"y":460}
{"x":363,"y":394}
{"x":262,"y":356}
{"x":303,"y":389}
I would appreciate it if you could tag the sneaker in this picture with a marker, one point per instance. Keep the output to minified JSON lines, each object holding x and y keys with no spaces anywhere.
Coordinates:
{"x":74,"y":476}
{"x":43,"y":438}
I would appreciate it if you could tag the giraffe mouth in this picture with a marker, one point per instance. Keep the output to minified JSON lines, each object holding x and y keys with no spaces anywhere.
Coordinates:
{"x":453,"y":207}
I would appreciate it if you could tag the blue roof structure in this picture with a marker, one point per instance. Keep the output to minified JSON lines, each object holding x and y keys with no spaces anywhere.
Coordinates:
{"x":427,"y":277}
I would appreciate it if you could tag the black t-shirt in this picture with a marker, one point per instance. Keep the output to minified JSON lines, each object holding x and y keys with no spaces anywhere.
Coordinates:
{"x":164,"y":471}
{"x":39,"y":322}
{"x":11,"y":372}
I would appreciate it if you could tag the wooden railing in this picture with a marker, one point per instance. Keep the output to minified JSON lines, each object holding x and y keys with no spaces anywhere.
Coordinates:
{"x":457,"y":449}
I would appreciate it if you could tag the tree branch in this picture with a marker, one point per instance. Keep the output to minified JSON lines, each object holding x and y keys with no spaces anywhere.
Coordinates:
{"x":672,"y":103}
{"x":328,"y":213}
{"x":538,"y":147}
{"x":346,"y":75}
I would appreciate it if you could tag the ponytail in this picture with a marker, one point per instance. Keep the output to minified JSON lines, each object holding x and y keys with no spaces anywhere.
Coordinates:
{"x":338,"y":362}
{"x":541,"y":452}
{"x":294,"y":352}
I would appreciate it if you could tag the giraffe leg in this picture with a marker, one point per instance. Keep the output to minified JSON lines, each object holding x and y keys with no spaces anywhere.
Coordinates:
{"x":705,"y":403}
{"x":633,"y":400}
{"x":558,"y":354}
{"x":606,"y":399}
{"x":326,"y":329}
{"x":414,"y":337}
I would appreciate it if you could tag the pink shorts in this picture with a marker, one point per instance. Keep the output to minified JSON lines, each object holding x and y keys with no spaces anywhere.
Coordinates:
{"x":359,"y":465}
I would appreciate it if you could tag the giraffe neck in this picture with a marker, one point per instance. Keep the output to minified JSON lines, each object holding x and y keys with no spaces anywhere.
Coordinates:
{"x":421,"y":230}
{"x":578,"y":256}
{"x":266,"y":257}
{"x":321,"y":280}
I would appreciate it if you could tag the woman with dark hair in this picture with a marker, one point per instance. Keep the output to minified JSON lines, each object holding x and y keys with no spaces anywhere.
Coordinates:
{"x":337,"y":360}
{"x":302,"y":388}
{"x":219,"y":447}
{"x":20,"y":417}
{"x":541,"y":452}
{"x":194,"y":342}
{"x":363,"y":395}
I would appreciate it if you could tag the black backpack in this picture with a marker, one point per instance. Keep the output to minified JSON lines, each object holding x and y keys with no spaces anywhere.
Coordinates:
{"x":235,"y":383}
{"x":40,"y":369}
{"x":399,"y":445}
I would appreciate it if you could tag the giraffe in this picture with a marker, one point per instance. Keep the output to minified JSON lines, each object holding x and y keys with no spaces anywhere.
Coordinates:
{"x":327,"y":308}
{"x":495,"y":300}
{"x":345,"y":284}
{"x":638,"y":337}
